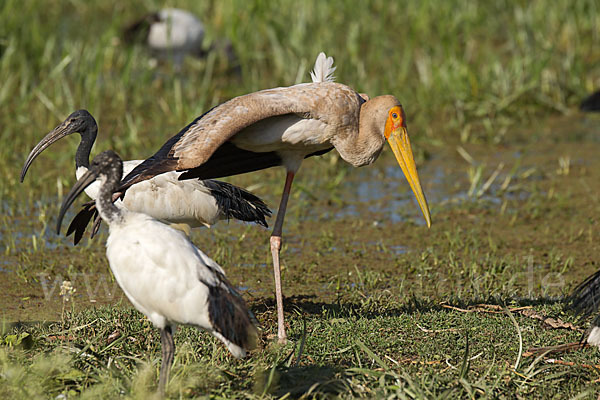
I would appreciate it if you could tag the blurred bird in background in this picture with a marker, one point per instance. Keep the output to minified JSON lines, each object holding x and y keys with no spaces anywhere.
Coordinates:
{"x":173,"y":33}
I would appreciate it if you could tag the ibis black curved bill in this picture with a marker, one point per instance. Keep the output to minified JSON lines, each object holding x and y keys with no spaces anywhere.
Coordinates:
{"x":86,"y":180}
{"x":58,"y":133}
{"x":79,"y":121}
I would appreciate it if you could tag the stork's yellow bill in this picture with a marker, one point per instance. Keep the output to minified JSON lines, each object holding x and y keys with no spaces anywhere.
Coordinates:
{"x":397,"y":136}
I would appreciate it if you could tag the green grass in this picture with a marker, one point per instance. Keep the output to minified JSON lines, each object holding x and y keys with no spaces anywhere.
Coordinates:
{"x":368,"y":286}
{"x":397,"y":351}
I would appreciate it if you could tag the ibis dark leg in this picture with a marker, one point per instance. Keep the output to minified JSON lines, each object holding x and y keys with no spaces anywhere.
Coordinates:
{"x":275,"y":248}
{"x":168,"y":350}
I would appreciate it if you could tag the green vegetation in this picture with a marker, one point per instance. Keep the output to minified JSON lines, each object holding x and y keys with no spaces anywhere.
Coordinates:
{"x":346,"y":350}
{"x":378,"y":305}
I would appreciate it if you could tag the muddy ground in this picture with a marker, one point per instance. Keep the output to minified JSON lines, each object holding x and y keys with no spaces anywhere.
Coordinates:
{"x":514,"y":221}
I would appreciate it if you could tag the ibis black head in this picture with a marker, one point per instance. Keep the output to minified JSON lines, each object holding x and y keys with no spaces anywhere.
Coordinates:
{"x":80,"y":121}
{"x":138,"y":31}
{"x":108,"y":165}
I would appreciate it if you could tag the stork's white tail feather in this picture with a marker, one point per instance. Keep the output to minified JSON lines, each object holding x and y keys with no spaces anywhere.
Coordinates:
{"x":323,"y":70}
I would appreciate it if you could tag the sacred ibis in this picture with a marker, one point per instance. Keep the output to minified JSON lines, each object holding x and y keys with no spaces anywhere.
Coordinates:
{"x":187,"y":204}
{"x":162,"y":273}
{"x":173,"y":33}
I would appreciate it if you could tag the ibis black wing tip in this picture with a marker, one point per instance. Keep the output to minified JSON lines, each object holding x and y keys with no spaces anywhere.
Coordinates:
{"x":262,"y":212}
{"x":585,"y":298}
{"x":230,"y":316}
{"x":81,"y":220}
{"x":235,"y":202}
{"x":256,"y":209}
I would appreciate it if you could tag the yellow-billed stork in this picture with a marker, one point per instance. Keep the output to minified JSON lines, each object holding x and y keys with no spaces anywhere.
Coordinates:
{"x":283,"y":126}
{"x":162,"y":273}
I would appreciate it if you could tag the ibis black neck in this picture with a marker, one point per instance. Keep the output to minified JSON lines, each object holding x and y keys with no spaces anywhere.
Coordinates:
{"x":88,"y":137}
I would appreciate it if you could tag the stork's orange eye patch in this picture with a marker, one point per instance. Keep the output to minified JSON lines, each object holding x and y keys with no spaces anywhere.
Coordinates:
{"x":397,"y":116}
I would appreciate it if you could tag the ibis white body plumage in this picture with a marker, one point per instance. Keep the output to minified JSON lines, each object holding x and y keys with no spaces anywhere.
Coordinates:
{"x":162,"y":273}
{"x":170,"y":33}
{"x":167,"y":199}
{"x":175,"y":33}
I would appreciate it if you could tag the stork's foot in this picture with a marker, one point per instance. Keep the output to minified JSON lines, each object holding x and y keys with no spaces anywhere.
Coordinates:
{"x":281,"y":332}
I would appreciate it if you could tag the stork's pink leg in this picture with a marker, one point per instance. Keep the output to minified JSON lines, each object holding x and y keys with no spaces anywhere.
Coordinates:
{"x":275,"y":248}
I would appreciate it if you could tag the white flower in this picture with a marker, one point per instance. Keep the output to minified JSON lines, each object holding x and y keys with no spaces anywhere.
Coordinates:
{"x":67,"y":290}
